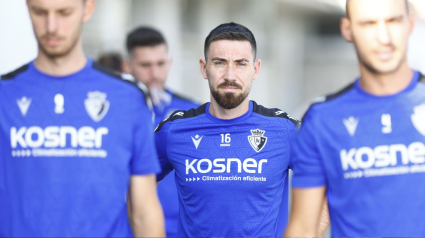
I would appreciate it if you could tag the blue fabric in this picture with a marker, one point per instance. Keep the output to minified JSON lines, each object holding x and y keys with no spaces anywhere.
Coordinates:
{"x":65,"y":165}
{"x":374,"y":176}
{"x":225,"y":187}
{"x":167,"y":190}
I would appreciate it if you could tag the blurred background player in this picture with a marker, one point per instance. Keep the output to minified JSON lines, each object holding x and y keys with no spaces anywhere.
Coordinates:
{"x":149,"y":62}
{"x":230,"y":156}
{"x":364,"y":145}
{"x":75,"y":138}
{"x":113,"y":61}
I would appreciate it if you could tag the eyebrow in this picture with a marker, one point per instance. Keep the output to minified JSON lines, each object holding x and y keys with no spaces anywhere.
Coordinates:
{"x":222,"y":59}
{"x":375,"y":20}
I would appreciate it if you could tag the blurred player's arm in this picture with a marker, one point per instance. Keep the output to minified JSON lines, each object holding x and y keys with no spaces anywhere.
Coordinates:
{"x":146,"y":215}
{"x":324,"y":219}
{"x":307,"y":208}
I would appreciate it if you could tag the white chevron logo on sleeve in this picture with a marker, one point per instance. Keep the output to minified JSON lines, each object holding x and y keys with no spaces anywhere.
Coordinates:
{"x":351,"y":125}
{"x":23,"y":104}
{"x":197,"y":140}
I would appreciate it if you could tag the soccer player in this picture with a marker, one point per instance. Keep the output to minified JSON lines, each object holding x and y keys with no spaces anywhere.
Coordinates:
{"x":149,"y":62}
{"x":230,"y":156}
{"x":74,"y":138}
{"x":364,"y":146}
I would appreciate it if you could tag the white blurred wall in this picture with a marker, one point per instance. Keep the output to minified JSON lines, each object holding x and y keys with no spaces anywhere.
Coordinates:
{"x":17,"y":42}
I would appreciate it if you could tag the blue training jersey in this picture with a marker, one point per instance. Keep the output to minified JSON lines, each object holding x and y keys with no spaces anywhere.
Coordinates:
{"x":167,"y":190}
{"x":369,"y":151}
{"x":68,"y":146}
{"x":231,"y":175}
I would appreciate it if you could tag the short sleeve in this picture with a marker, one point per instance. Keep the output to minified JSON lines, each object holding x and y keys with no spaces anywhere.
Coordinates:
{"x":145,"y":158}
{"x":306,"y":161}
{"x":161,"y":148}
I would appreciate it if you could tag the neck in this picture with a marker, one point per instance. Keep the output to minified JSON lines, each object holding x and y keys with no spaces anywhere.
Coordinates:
{"x":67,"y":64}
{"x":386,"y":84}
{"x":217,"y":111}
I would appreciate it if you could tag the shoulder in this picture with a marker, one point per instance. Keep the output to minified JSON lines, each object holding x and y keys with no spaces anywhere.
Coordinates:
{"x":329,"y":100}
{"x":119,"y":80}
{"x":182,"y":115}
{"x":274,"y":113}
{"x":15,"y":72}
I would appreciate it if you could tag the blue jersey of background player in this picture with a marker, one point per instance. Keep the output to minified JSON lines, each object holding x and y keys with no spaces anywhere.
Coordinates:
{"x":73,"y":138}
{"x":364,"y":145}
{"x":230,"y":156}
{"x":149,"y":62}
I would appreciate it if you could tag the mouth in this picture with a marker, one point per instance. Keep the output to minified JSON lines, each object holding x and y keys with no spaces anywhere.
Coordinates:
{"x":229,"y":88}
{"x":53,"y":41}
{"x":385,"y":55}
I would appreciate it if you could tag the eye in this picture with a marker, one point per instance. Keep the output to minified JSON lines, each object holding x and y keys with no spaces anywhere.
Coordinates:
{"x":65,"y":12}
{"x":395,"y":20}
{"x":241,"y":64}
{"x":218,"y":63}
{"x":39,"y":12}
{"x":368,"y":23}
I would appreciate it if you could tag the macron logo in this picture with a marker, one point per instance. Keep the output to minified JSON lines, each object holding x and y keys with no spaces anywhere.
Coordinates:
{"x":197,"y":140}
{"x":23,"y":104}
{"x":351,"y":125}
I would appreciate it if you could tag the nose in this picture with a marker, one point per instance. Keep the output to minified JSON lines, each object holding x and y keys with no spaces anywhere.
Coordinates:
{"x":230,"y":74}
{"x":384,"y":36}
{"x":52,"y":23}
{"x":155,"y":72}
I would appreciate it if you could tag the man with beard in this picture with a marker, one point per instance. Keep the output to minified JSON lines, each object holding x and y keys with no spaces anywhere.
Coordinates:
{"x":68,"y":155}
{"x":150,"y":63}
{"x":364,"y":146}
{"x":230,"y":156}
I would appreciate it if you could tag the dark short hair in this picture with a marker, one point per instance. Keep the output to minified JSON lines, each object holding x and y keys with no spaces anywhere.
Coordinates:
{"x":347,"y":12}
{"x":144,"y":36}
{"x":230,"y":31}
{"x":112,"y":61}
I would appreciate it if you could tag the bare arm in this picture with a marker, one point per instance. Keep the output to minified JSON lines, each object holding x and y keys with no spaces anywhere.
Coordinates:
{"x":146,"y":215}
{"x":307,"y":206}
{"x":324,"y":219}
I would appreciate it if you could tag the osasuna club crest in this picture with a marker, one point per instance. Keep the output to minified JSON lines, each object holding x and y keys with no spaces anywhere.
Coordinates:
{"x":96,"y":105}
{"x":257,"y":139}
{"x":418,"y":118}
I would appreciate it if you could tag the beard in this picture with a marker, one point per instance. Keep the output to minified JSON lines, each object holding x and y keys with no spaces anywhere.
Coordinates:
{"x":61,"y":50}
{"x":229,"y":100}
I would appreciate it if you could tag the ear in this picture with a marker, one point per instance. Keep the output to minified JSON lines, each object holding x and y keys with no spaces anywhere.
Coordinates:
{"x":412,"y":21}
{"x":89,"y":6}
{"x":126,"y":66}
{"x":203,"y":66}
{"x":345,"y":26}
{"x":257,"y":67}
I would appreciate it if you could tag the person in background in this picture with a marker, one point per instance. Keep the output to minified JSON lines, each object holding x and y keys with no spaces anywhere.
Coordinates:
{"x":149,"y":63}
{"x":364,"y":146}
{"x":112,"y":61}
{"x":75,"y":139}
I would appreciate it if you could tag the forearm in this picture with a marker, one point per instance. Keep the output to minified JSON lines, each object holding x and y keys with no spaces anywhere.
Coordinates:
{"x":150,"y":223}
{"x":324,"y":220}
{"x":298,"y":229}
{"x":307,"y":206}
